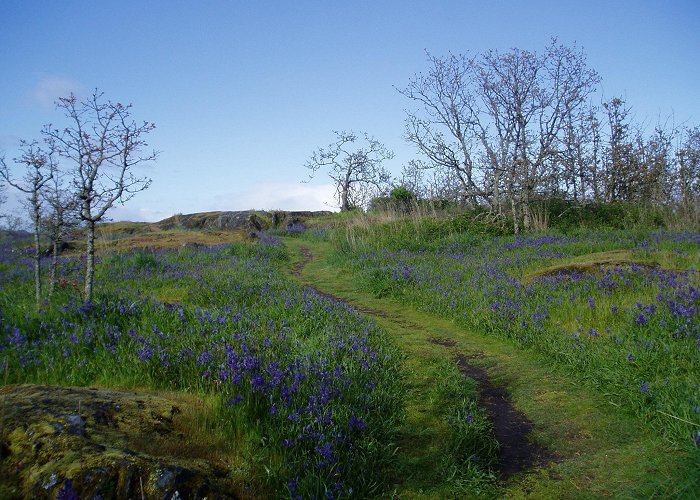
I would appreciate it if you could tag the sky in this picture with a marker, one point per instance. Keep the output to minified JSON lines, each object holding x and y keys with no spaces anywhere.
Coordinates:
{"x":242,"y":92}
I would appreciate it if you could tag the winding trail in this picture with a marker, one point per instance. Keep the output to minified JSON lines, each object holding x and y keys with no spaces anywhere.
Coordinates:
{"x":558,"y":439}
{"x":511,"y":427}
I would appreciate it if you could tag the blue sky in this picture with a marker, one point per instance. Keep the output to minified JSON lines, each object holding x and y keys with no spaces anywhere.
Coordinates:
{"x":243,"y":92}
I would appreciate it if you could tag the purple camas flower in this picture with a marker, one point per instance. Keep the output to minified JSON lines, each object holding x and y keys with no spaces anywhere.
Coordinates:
{"x":644,"y":387}
{"x":591,"y":302}
{"x":234,"y":400}
{"x":257,"y":382}
{"x":268,"y":239}
{"x":295,"y":227}
{"x":641,"y":320}
{"x":630,"y":357}
{"x":325,"y":450}
{"x":145,"y":353}
{"x":355,"y":423}
{"x":292,"y":485}
{"x":204,"y":358}
{"x":17,"y":338}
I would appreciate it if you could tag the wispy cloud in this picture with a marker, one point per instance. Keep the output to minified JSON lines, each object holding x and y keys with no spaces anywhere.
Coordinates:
{"x":279,"y":195}
{"x":49,"y":89}
{"x":134,"y":214}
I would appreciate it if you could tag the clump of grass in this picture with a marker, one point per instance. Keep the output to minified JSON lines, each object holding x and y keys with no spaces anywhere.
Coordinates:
{"x":412,"y":231}
{"x":472,"y":449}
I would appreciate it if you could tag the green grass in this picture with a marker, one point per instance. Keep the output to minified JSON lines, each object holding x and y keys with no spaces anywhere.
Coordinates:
{"x":618,"y":309}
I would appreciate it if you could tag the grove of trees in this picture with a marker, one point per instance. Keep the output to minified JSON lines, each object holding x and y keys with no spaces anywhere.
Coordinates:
{"x":78,"y":173}
{"x":500,"y":130}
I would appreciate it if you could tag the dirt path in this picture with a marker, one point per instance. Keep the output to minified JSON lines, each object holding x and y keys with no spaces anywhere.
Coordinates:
{"x":511,"y":427}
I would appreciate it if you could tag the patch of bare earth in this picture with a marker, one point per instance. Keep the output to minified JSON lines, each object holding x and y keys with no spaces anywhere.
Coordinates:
{"x":570,"y":271}
{"x":306,"y":257}
{"x":510,"y":426}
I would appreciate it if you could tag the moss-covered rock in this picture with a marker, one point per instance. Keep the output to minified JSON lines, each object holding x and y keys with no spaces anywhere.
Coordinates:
{"x":102,"y":443}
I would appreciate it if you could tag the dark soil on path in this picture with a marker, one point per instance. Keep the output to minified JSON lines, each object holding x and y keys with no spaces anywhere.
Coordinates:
{"x":510,"y":426}
{"x":306,"y":257}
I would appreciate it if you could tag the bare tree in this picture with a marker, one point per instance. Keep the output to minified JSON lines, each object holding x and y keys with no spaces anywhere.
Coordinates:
{"x":3,"y":198}
{"x":619,"y":171}
{"x":445,"y":129}
{"x":354,"y":164}
{"x":533,"y":97}
{"x":105,"y":145}
{"x":413,"y":178}
{"x":656,"y":164}
{"x":40,"y":168}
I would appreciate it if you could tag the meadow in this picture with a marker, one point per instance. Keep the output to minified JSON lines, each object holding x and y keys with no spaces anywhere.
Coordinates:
{"x":315,"y":398}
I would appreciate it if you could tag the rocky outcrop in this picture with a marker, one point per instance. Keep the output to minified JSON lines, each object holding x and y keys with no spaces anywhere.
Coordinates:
{"x":101,"y":443}
{"x":209,"y":220}
{"x":247,"y":220}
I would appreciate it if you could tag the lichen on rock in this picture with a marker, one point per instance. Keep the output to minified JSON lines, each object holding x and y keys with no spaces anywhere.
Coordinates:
{"x":59,"y":441}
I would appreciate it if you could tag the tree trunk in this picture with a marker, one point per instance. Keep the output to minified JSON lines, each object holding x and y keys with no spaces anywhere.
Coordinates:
{"x":345,"y":195}
{"x":37,"y":258}
{"x":90,"y":261}
{"x":527,"y":217}
{"x":54,"y":267}
{"x":496,"y":193}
